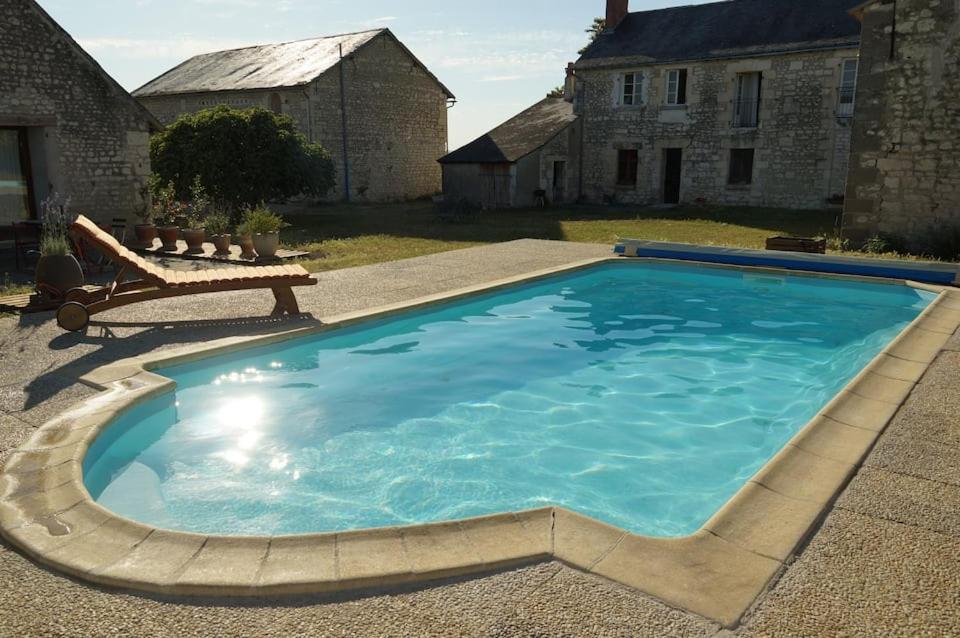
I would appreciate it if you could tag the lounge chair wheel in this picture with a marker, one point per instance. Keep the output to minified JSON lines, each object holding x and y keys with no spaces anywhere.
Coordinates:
{"x":73,"y":316}
{"x":79,"y":295}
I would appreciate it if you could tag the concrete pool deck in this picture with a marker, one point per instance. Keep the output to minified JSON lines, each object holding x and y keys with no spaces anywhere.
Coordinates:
{"x":869,"y":528}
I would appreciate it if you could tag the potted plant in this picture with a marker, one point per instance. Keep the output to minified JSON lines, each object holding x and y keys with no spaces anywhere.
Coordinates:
{"x":194,"y":233}
{"x":218,"y":226}
{"x":245,"y":239}
{"x":58,"y":271}
{"x":166,"y":209}
{"x":195,"y":216}
{"x":145,"y":231}
{"x":264,"y":226}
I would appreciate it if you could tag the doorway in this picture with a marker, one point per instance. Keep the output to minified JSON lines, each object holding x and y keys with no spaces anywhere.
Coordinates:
{"x":672,"y":174}
{"x":559,"y":181}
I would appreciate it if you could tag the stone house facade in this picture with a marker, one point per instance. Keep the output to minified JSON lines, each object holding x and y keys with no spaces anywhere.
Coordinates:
{"x":531,"y":156}
{"x":65,"y":125}
{"x":905,"y":164}
{"x":385,"y":131}
{"x":745,"y":102}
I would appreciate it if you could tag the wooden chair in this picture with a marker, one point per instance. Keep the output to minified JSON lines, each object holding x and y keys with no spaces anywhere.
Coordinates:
{"x":153,"y":282}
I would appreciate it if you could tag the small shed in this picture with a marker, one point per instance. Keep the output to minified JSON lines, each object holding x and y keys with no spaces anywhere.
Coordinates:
{"x":531,"y":155}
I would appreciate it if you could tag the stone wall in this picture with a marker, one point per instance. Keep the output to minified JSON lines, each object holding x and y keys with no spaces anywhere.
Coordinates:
{"x":800,"y":144}
{"x":396,"y":120}
{"x":905,"y":166}
{"x":88,"y":139}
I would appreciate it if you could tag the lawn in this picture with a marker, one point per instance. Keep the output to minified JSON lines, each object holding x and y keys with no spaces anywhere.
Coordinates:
{"x":345,"y":236}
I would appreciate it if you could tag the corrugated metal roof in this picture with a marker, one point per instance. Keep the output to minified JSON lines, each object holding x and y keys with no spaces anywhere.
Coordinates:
{"x":517,"y":137}
{"x":729,"y":29}
{"x":260,"y":67}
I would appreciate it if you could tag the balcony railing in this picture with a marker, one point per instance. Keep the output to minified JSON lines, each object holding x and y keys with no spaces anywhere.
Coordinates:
{"x":746,"y":113}
{"x":846,"y":101}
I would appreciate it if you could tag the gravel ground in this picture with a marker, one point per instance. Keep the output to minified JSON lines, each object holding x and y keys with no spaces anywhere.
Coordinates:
{"x":885,"y":562}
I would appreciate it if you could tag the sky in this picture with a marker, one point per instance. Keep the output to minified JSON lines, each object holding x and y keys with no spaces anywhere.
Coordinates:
{"x":497,"y":56}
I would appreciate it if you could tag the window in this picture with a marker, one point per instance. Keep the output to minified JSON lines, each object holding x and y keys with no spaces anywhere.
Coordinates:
{"x":276,"y":103}
{"x":631,"y":89}
{"x":848,"y":87}
{"x":676,"y":87}
{"x":746,"y":112}
{"x":14,"y":176}
{"x":741,"y":167}
{"x":627,"y":164}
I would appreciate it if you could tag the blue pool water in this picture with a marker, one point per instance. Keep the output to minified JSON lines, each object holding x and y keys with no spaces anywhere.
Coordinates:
{"x":641,"y":394}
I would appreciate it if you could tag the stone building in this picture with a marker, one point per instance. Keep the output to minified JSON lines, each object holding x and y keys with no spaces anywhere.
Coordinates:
{"x":905,"y":164}
{"x":65,"y":125}
{"x":385,"y":130}
{"x":534,"y":151}
{"x":745,"y":102}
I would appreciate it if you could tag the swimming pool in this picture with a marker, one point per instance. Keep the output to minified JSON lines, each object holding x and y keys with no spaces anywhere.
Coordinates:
{"x":641,"y":394}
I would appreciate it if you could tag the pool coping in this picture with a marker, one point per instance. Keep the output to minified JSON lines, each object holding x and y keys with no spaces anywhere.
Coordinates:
{"x":718,"y":572}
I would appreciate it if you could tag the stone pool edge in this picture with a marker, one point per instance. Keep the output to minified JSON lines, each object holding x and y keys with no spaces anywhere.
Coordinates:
{"x":717,"y":572}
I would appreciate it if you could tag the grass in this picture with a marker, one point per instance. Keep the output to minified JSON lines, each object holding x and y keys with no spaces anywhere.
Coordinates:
{"x":8,"y":289}
{"x":344,"y":236}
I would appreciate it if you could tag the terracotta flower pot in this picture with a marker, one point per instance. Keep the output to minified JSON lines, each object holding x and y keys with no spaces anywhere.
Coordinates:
{"x":222,"y":244}
{"x":146,"y":234}
{"x":194,"y":238}
{"x":266,"y":244}
{"x":247,"y":251}
{"x":56,"y":274}
{"x":168,"y":237}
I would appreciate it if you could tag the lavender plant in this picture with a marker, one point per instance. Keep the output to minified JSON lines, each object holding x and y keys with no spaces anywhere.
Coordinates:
{"x":56,"y":218}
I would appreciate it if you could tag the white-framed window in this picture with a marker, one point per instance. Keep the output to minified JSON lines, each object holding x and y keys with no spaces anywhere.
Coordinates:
{"x":848,"y":87}
{"x":630,"y":89}
{"x":676,"y":87}
{"x":746,"y":111}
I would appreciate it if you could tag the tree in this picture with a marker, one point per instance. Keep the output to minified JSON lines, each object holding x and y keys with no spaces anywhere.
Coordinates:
{"x":596,"y":30}
{"x":556,"y":92}
{"x":240,"y":157}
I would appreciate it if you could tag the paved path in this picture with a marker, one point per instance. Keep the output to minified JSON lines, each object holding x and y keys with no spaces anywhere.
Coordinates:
{"x":885,"y":562}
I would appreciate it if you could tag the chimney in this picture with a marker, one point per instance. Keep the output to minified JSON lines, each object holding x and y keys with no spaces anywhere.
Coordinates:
{"x":616,"y":11}
{"x":570,"y":85}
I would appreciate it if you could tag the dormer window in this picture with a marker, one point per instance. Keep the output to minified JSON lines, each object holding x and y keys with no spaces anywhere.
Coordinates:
{"x":676,"y":87}
{"x":630,"y":89}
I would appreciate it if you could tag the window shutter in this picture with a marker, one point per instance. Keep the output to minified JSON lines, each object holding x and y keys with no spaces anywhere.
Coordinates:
{"x":682,"y":87}
{"x":618,"y":90}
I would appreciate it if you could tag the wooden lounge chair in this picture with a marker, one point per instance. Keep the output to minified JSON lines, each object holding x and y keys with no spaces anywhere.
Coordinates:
{"x":154,"y":282}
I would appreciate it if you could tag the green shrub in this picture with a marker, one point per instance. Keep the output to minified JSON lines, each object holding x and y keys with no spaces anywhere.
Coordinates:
{"x":260,"y":221}
{"x":166,"y":206}
{"x":217,"y":221}
{"x":240,"y":157}
{"x":882,"y":244}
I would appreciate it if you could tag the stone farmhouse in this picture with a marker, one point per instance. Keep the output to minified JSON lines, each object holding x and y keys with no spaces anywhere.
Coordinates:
{"x":745,"y":102}
{"x":65,"y":125}
{"x":509,"y":165}
{"x":905,"y":166}
{"x":365,"y":97}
